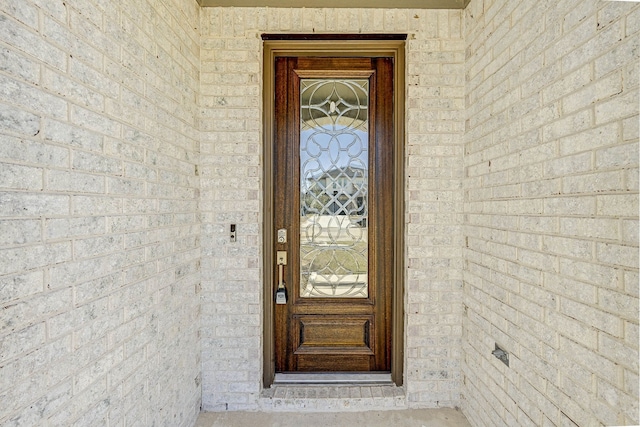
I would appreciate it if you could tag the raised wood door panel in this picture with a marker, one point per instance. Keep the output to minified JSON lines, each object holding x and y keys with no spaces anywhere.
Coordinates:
{"x":316,"y":332}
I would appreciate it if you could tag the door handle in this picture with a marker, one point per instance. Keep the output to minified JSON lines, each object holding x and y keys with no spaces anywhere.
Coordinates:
{"x":281,"y":293}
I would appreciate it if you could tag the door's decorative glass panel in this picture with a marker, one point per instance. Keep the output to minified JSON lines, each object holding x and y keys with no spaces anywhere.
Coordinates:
{"x":334,"y":170}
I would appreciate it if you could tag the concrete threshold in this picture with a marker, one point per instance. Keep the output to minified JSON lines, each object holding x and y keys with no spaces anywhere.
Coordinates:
{"x":324,"y":379}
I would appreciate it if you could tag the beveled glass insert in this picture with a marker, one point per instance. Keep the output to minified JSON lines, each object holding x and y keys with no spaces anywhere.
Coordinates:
{"x":334,"y":170}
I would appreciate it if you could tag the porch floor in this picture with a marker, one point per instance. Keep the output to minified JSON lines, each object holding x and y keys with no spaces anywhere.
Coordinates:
{"x":441,"y":417}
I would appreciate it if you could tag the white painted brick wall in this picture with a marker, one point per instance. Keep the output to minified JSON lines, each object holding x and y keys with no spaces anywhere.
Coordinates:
{"x":551,"y":201}
{"x":99,"y":231}
{"x":231,"y":189}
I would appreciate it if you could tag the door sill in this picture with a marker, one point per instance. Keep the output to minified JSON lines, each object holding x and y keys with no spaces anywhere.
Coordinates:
{"x":324,"y":378}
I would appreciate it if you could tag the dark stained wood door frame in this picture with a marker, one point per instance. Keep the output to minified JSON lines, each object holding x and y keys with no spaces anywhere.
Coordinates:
{"x":323,"y":46}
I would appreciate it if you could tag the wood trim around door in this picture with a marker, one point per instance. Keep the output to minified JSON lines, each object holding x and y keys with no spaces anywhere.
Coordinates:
{"x":310,"y":46}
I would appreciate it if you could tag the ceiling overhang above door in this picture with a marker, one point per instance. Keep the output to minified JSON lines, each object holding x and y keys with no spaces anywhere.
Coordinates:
{"x":372,"y":4}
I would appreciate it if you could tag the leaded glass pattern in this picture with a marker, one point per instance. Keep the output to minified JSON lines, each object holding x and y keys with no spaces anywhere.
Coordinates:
{"x":334,"y":187}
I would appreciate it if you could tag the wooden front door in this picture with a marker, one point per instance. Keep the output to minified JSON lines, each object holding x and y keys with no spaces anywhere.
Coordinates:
{"x":333,"y":214}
